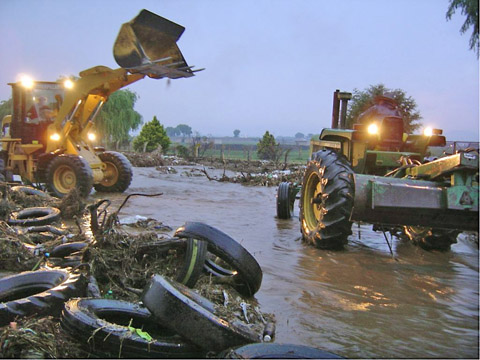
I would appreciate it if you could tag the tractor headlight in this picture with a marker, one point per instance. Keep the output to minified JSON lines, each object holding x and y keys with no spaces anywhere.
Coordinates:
{"x":428,"y":131}
{"x":92,"y":136}
{"x":372,"y":129}
{"x":55,"y":137}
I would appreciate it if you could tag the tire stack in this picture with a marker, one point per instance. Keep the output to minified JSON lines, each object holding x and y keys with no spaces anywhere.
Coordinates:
{"x":172,"y":319}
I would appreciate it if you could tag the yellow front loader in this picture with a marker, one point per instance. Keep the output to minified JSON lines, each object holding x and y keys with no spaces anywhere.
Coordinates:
{"x":49,"y":136}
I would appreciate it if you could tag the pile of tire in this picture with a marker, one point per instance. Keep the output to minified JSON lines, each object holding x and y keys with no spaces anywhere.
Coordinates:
{"x":172,"y":320}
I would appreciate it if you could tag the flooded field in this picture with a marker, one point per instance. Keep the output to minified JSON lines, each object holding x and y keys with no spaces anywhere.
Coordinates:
{"x":358,"y":303}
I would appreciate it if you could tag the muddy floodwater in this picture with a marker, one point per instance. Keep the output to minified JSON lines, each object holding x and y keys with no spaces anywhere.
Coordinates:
{"x":360,"y":302}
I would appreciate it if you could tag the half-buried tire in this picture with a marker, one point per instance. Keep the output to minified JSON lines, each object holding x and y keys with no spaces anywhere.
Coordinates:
{"x":40,"y":292}
{"x":42,"y":215}
{"x":192,"y":316}
{"x":116,"y":328}
{"x":248,"y":273}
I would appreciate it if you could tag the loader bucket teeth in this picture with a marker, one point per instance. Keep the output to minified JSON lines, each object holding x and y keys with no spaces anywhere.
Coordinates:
{"x":147,"y":45}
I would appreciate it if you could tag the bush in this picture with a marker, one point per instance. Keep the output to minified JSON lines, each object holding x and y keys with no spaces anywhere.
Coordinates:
{"x":267,"y":148}
{"x":152,"y":134}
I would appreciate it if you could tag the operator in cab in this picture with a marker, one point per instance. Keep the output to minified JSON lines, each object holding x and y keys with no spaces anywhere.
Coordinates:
{"x":40,"y":111}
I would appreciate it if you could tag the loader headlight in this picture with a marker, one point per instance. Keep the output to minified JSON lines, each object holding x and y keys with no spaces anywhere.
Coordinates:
{"x":68,"y":84}
{"x":26,"y":81}
{"x":92,"y":136}
{"x":372,"y":129}
{"x":55,"y":137}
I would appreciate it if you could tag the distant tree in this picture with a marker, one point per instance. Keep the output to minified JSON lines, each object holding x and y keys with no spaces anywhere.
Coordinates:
{"x":267,"y":148}
{"x":362,"y":100}
{"x":185,"y":130}
{"x":5,"y":108}
{"x":172,"y":131}
{"x":470,"y":9}
{"x":152,"y":135}
{"x":299,"y":135}
{"x":117,"y":117}
{"x":236,"y":133}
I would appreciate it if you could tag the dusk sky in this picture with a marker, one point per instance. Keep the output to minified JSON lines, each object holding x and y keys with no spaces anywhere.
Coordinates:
{"x":270,"y":64}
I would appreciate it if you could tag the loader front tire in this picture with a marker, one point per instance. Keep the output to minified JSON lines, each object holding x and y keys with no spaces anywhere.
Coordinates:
{"x":326,"y":200}
{"x":117,"y":174}
{"x":67,"y":172}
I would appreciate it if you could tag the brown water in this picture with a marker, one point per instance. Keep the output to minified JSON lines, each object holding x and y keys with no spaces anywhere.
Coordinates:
{"x":360,"y":302}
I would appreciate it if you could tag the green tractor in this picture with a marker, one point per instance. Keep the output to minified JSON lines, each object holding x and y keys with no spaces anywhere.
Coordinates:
{"x":378,"y":174}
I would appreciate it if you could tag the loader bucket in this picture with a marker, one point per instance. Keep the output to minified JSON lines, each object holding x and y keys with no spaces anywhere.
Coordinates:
{"x":147,"y":45}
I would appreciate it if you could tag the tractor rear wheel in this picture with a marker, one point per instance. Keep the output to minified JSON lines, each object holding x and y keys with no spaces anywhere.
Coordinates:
{"x":326,"y":200}
{"x":431,"y":239}
{"x":117,"y":174}
{"x":67,"y":172}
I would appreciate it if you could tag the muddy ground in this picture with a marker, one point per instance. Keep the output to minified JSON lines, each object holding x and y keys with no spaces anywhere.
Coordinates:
{"x":253,"y":173}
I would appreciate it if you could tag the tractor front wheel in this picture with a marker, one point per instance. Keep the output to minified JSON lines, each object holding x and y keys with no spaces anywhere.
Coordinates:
{"x":431,"y":239}
{"x":326,"y":200}
{"x":117,"y":175}
{"x":67,"y":172}
{"x":285,"y":200}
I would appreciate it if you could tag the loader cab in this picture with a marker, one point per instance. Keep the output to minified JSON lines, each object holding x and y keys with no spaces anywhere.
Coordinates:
{"x":35,"y":106}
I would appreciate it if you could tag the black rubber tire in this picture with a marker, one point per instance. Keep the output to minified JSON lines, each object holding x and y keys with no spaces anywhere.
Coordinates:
{"x":2,"y":169}
{"x":217,"y":270}
{"x":276,"y":351}
{"x":42,"y":215}
{"x":29,"y":190}
{"x":249,"y":275}
{"x":118,"y":174}
{"x":7,"y":174}
{"x":284,"y":201}
{"x":326,"y":224}
{"x":192,"y":316}
{"x":431,"y":239}
{"x":102,"y":325}
{"x":67,"y":249}
{"x":41,"y":292}
{"x":195,"y":256}
{"x":47,"y":228}
{"x":76,"y":174}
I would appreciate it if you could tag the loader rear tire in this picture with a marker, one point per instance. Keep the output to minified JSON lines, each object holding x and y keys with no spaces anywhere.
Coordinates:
{"x":326,"y":201}
{"x":117,"y":174}
{"x":67,"y":172}
{"x":431,"y":239}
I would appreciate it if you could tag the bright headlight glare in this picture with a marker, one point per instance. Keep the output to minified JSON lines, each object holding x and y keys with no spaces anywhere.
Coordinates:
{"x":91,"y":136}
{"x":55,"y":137}
{"x":27,"y":82}
{"x":68,"y":84}
{"x":428,"y":131}
{"x":372,"y":129}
